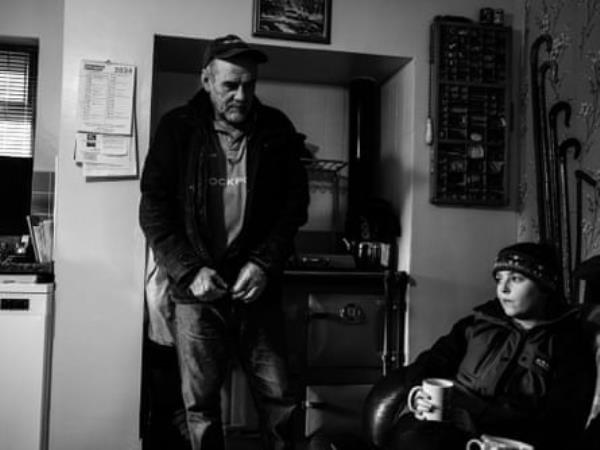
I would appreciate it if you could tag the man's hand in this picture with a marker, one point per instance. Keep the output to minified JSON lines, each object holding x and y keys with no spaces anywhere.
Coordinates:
{"x":208,"y":285}
{"x":250,"y":283}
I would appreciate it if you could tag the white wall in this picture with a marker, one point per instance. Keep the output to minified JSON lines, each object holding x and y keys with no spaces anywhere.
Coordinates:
{"x":41,"y":20}
{"x":396,"y":162}
{"x":99,"y":255}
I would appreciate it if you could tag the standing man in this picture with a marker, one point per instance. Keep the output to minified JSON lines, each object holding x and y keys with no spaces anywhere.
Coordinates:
{"x":223,"y":194}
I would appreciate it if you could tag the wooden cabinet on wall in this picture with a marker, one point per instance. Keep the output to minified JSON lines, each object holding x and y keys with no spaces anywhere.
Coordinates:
{"x":470,"y":86}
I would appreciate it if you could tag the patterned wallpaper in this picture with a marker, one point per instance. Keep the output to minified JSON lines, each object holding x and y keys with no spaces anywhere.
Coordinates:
{"x":575,"y":29}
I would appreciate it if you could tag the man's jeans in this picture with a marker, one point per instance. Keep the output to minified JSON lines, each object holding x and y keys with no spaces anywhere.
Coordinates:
{"x":207,"y":338}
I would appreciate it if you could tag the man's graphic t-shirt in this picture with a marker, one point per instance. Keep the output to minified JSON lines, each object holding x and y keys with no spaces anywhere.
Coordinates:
{"x":227,"y":189}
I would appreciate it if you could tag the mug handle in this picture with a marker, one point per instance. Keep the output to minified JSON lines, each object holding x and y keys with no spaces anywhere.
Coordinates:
{"x":410,"y":399}
{"x":476,"y":442}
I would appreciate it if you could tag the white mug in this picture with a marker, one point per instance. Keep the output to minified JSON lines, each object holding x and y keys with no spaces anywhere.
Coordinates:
{"x":439,"y":390}
{"x":488,"y":442}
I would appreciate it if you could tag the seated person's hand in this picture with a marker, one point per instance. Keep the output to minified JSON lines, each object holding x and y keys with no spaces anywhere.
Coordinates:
{"x":207,"y":285}
{"x":421,"y":404}
{"x":250,"y":283}
{"x":456,"y":407}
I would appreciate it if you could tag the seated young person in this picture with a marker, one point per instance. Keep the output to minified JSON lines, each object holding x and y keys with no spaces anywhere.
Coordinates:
{"x":521,"y":363}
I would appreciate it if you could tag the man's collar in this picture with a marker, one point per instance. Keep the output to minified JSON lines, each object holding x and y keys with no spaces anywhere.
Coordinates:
{"x":225,"y":127}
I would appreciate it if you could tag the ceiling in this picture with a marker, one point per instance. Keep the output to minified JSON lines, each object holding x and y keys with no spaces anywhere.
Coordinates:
{"x":184,"y":55}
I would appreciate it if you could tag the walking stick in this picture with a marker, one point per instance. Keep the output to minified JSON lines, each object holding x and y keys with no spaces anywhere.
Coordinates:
{"x":544,"y":39}
{"x":557,"y":200}
{"x":567,"y":261}
{"x":549,"y":165}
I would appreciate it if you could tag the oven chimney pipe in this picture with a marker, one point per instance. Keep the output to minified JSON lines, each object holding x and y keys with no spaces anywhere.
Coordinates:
{"x":363,"y":149}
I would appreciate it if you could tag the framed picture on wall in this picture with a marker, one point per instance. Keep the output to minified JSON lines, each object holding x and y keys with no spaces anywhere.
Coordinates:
{"x":300,"y":20}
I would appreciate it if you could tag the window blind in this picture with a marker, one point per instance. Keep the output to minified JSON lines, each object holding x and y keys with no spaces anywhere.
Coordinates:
{"x":18,"y":87}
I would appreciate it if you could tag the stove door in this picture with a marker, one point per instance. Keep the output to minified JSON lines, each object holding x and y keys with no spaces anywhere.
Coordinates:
{"x":344,"y":330}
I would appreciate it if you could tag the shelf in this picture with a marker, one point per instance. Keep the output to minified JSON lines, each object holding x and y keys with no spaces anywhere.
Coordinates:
{"x":470,"y":142}
{"x":473,"y":83}
{"x":286,"y":63}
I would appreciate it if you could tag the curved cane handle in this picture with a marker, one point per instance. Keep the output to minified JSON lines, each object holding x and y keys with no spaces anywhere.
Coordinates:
{"x":535,"y":47}
{"x":556,"y":109}
{"x":567,"y":144}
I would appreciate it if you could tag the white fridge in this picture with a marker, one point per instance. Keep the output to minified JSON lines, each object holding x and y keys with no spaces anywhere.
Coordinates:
{"x":26,"y":317}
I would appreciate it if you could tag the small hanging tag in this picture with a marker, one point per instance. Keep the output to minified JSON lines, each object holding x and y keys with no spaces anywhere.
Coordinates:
{"x":428,"y":132}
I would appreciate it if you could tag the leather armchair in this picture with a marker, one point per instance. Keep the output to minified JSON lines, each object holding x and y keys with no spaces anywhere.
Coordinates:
{"x":383,"y":405}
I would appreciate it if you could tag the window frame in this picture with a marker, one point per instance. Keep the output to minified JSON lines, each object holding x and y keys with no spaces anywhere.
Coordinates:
{"x":32,"y":50}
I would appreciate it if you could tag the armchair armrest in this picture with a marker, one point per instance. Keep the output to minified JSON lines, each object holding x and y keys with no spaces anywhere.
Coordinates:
{"x":383,"y":405}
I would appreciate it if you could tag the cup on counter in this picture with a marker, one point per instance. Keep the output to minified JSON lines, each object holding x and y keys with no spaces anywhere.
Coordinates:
{"x":488,"y":442}
{"x":439,"y":390}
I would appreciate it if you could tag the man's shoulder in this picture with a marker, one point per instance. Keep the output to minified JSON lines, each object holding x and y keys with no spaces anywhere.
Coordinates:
{"x":180,"y":113}
{"x":187,"y":112}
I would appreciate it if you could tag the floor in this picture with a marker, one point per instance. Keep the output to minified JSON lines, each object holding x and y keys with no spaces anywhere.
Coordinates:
{"x":330,"y":442}
{"x":237,"y":441}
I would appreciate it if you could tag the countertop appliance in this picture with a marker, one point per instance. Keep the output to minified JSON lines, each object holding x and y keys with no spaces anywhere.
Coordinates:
{"x":26,"y":317}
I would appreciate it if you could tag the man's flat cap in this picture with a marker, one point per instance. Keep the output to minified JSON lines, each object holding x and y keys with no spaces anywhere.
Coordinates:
{"x":229,"y":47}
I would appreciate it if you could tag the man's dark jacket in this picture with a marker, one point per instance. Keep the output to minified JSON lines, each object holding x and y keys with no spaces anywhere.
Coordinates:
{"x":173,"y":211}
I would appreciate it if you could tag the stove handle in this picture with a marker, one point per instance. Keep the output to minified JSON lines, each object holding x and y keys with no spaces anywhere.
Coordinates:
{"x":351,"y":314}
